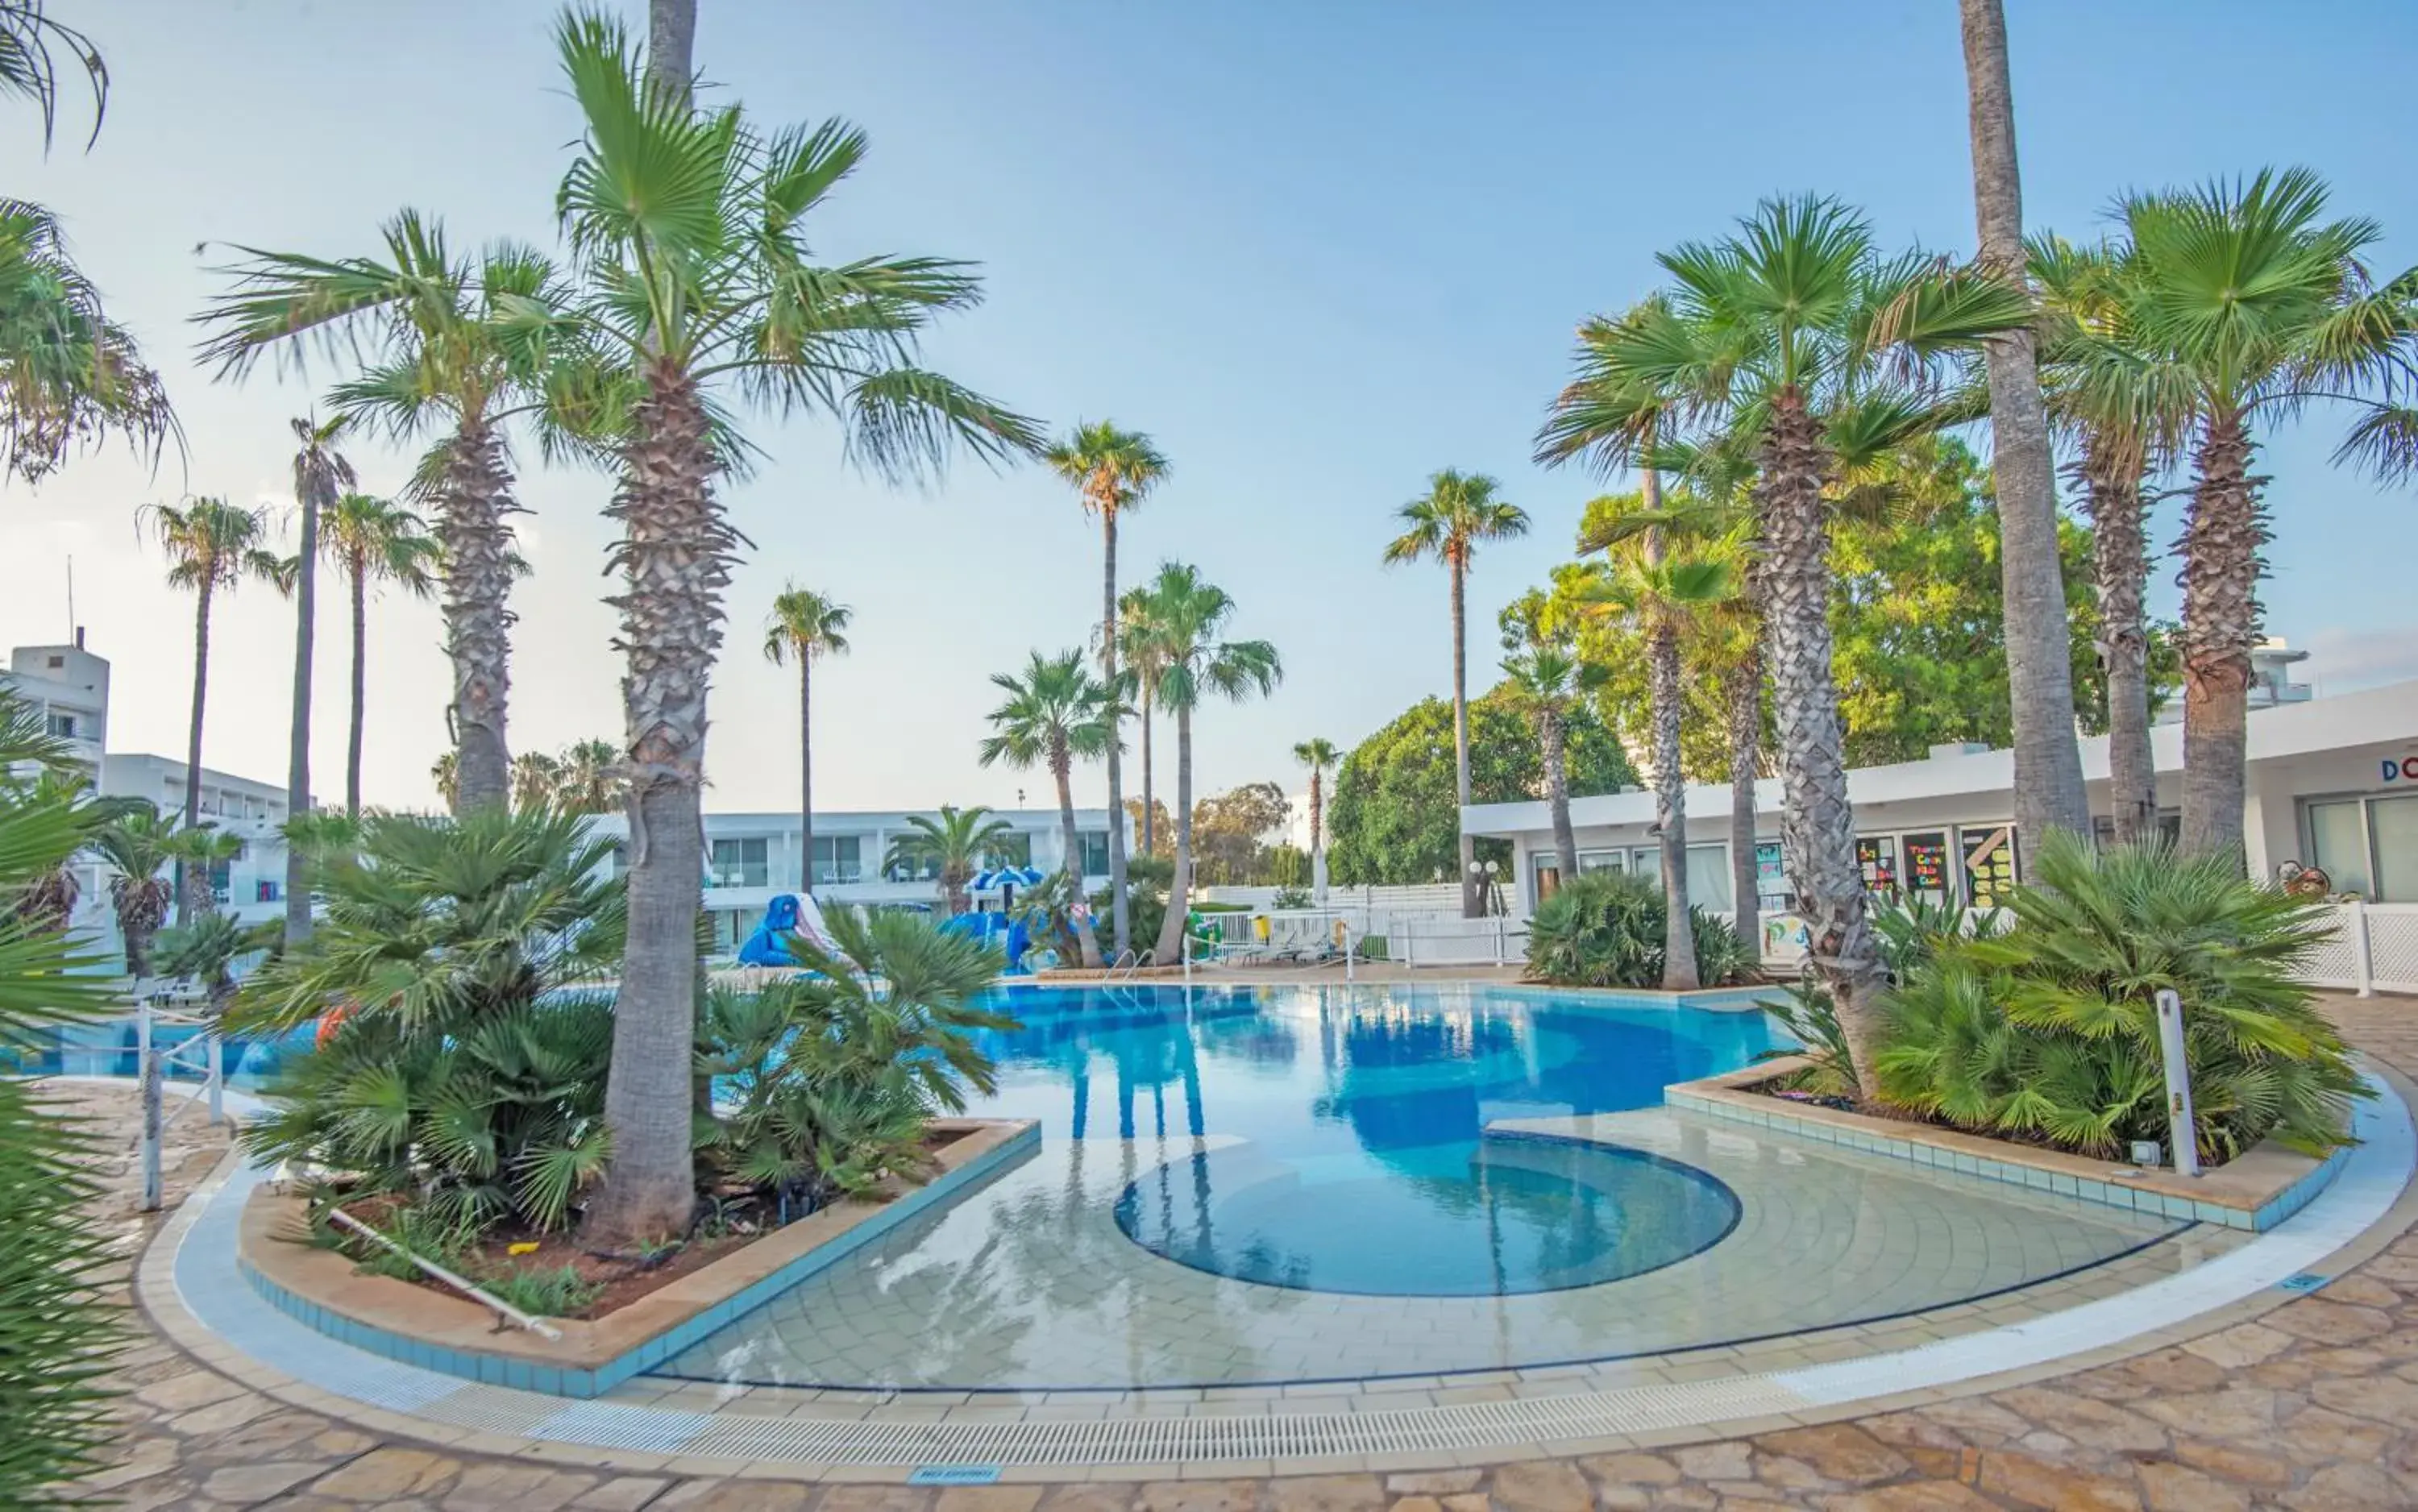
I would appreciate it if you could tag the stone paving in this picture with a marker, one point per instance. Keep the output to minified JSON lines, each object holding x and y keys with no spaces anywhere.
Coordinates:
{"x":2311,"y":1405}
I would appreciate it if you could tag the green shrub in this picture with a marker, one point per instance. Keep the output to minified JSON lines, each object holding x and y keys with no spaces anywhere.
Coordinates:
{"x":1604,"y":929}
{"x":454,"y":1071}
{"x":548,"y":1291}
{"x":2049,"y":1030}
{"x":1292,"y":897}
{"x":832,"y":1077}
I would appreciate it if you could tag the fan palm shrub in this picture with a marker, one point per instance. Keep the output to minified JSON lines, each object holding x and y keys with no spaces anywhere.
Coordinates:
{"x":138,"y":845}
{"x":56,"y":1334}
{"x":2049,"y":1029}
{"x":1607,"y":930}
{"x":827,"y":1080}
{"x":455,"y":1070}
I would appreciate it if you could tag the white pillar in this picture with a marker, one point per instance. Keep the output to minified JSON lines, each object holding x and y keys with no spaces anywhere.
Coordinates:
{"x":2363,"y":949}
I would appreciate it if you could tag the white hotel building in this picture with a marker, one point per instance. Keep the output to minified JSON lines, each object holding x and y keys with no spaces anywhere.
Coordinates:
{"x":750,"y":857}
{"x":2333,"y":782}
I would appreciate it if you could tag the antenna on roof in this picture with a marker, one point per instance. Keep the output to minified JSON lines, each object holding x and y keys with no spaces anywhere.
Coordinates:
{"x":71,"y":619}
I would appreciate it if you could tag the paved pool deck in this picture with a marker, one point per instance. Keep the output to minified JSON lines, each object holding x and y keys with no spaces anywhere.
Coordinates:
{"x":2281,"y":1401}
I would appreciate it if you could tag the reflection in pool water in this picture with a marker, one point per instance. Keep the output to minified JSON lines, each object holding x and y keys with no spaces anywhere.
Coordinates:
{"x":1362,"y":1167}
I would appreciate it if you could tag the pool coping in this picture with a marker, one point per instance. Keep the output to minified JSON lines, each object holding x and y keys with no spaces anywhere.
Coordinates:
{"x":186,"y":1286}
{"x":2257,"y":1191}
{"x":418,"y":1326}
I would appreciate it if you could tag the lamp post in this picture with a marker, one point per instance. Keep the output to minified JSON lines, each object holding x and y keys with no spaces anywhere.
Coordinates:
{"x":1489,"y":888}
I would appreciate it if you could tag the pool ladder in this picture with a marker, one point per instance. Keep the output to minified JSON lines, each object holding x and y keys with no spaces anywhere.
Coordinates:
{"x":1129,"y":963}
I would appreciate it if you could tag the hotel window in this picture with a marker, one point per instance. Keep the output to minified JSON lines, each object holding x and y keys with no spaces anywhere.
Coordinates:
{"x":1095,"y":852}
{"x":1016,"y":850}
{"x":838,"y":859}
{"x":740,"y":863}
{"x":62,"y":727}
{"x":2367,"y":845}
{"x":1709,"y":879}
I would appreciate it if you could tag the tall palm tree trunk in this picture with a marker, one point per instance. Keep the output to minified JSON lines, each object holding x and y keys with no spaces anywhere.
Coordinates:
{"x":1122,"y":930}
{"x":675,"y":555}
{"x":476,"y":545}
{"x":1086,"y":938}
{"x":2120,"y":562}
{"x":2039,"y":670}
{"x":1671,"y":808}
{"x":193,"y":740}
{"x":1317,"y":833}
{"x":1557,"y":790}
{"x":2221,"y":541}
{"x":1472,"y":896}
{"x":805,"y":771}
{"x":1179,"y":892}
{"x":1817,"y":826}
{"x":1742,"y":691}
{"x":298,"y":755}
{"x":355,"y":716}
{"x":1149,"y":799}
{"x":671,"y":43}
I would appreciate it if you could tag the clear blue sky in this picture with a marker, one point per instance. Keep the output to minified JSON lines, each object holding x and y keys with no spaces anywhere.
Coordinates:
{"x":1317,"y":251}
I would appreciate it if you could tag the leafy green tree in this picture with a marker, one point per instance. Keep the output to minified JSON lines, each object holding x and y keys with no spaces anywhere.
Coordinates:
{"x":692,"y":281}
{"x":1393,"y":819}
{"x":1201,"y":664}
{"x":372,"y":541}
{"x":58,"y":1333}
{"x":211,"y":547}
{"x":1113,"y":470}
{"x":1053,"y":714}
{"x":1446,"y":523}
{"x":956,"y":845}
{"x":805,"y":627}
{"x":1230,"y":832}
{"x":2262,"y":306}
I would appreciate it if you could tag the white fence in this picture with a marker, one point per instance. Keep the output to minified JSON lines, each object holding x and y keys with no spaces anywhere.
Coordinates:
{"x":2373,"y":949}
{"x":1438,"y":897}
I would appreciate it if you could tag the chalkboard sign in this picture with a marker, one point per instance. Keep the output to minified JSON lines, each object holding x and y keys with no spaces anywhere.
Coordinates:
{"x":1926,"y":862}
{"x":1989,"y":865}
{"x":1876,"y":856}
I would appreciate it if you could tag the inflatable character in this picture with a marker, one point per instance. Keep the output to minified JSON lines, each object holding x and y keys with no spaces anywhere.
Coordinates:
{"x":770,"y":944}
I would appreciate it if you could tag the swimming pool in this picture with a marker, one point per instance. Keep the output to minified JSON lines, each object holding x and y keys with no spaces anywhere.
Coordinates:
{"x":1244,"y":1186}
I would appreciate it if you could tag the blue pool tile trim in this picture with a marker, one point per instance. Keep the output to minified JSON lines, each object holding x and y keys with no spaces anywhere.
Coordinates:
{"x":564,"y":1380}
{"x":1740,"y":999}
{"x":2110,"y":1193}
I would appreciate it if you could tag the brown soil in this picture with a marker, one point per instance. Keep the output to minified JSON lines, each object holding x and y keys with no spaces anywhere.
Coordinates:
{"x":623,"y":1278}
{"x":1890,"y":1112}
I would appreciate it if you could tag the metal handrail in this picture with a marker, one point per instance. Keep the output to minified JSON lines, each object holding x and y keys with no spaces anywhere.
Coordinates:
{"x":503,"y":1309}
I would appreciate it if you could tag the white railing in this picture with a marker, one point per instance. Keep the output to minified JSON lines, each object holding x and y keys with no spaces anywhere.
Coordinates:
{"x":1440,"y":939}
{"x":2373,"y":949}
{"x":1424,"y":898}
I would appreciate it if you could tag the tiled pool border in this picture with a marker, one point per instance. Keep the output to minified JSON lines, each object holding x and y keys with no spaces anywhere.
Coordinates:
{"x":567,"y":1376}
{"x":1718,"y":1098}
{"x":187,"y":1282}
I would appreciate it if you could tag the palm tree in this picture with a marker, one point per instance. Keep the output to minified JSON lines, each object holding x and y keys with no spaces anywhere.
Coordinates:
{"x":956,"y":845}
{"x":211,"y":547}
{"x":371,"y":540}
{"x":1606,"y":416}
{"x":1199,"y":664}
{"x":806,"y":626}
{"x":199,"y":849}
{"x":1317,"y":754}
{"x":588,"y":778}
{"x":1795,"y":337}
{"x":138,"y":845}
{"x":1546,"y":677}
{"x":1111,"y":470}
{"x":2262,"y":305}
{"x":1141,"y":644}
{"x":1668,"y":589}
{"x":688,"y":231}
{"x":1446,"y":523}
{"x":321,"y":475}
{"x":456,"y":345}
{"x":71,"y":376}
{"x":1053,"y":714}
{"x":2049,"y":794}
{"x":535,"y":777}
{"x":27,"y":68}
{"x":2128,"y":414}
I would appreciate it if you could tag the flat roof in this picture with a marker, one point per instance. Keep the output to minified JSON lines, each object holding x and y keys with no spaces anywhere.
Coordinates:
{"x":2373,"y":716}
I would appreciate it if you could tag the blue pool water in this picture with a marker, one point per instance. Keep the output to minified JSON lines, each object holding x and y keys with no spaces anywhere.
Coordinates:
{"x":1355,"y":1157}
{"x":107,"y":1048}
